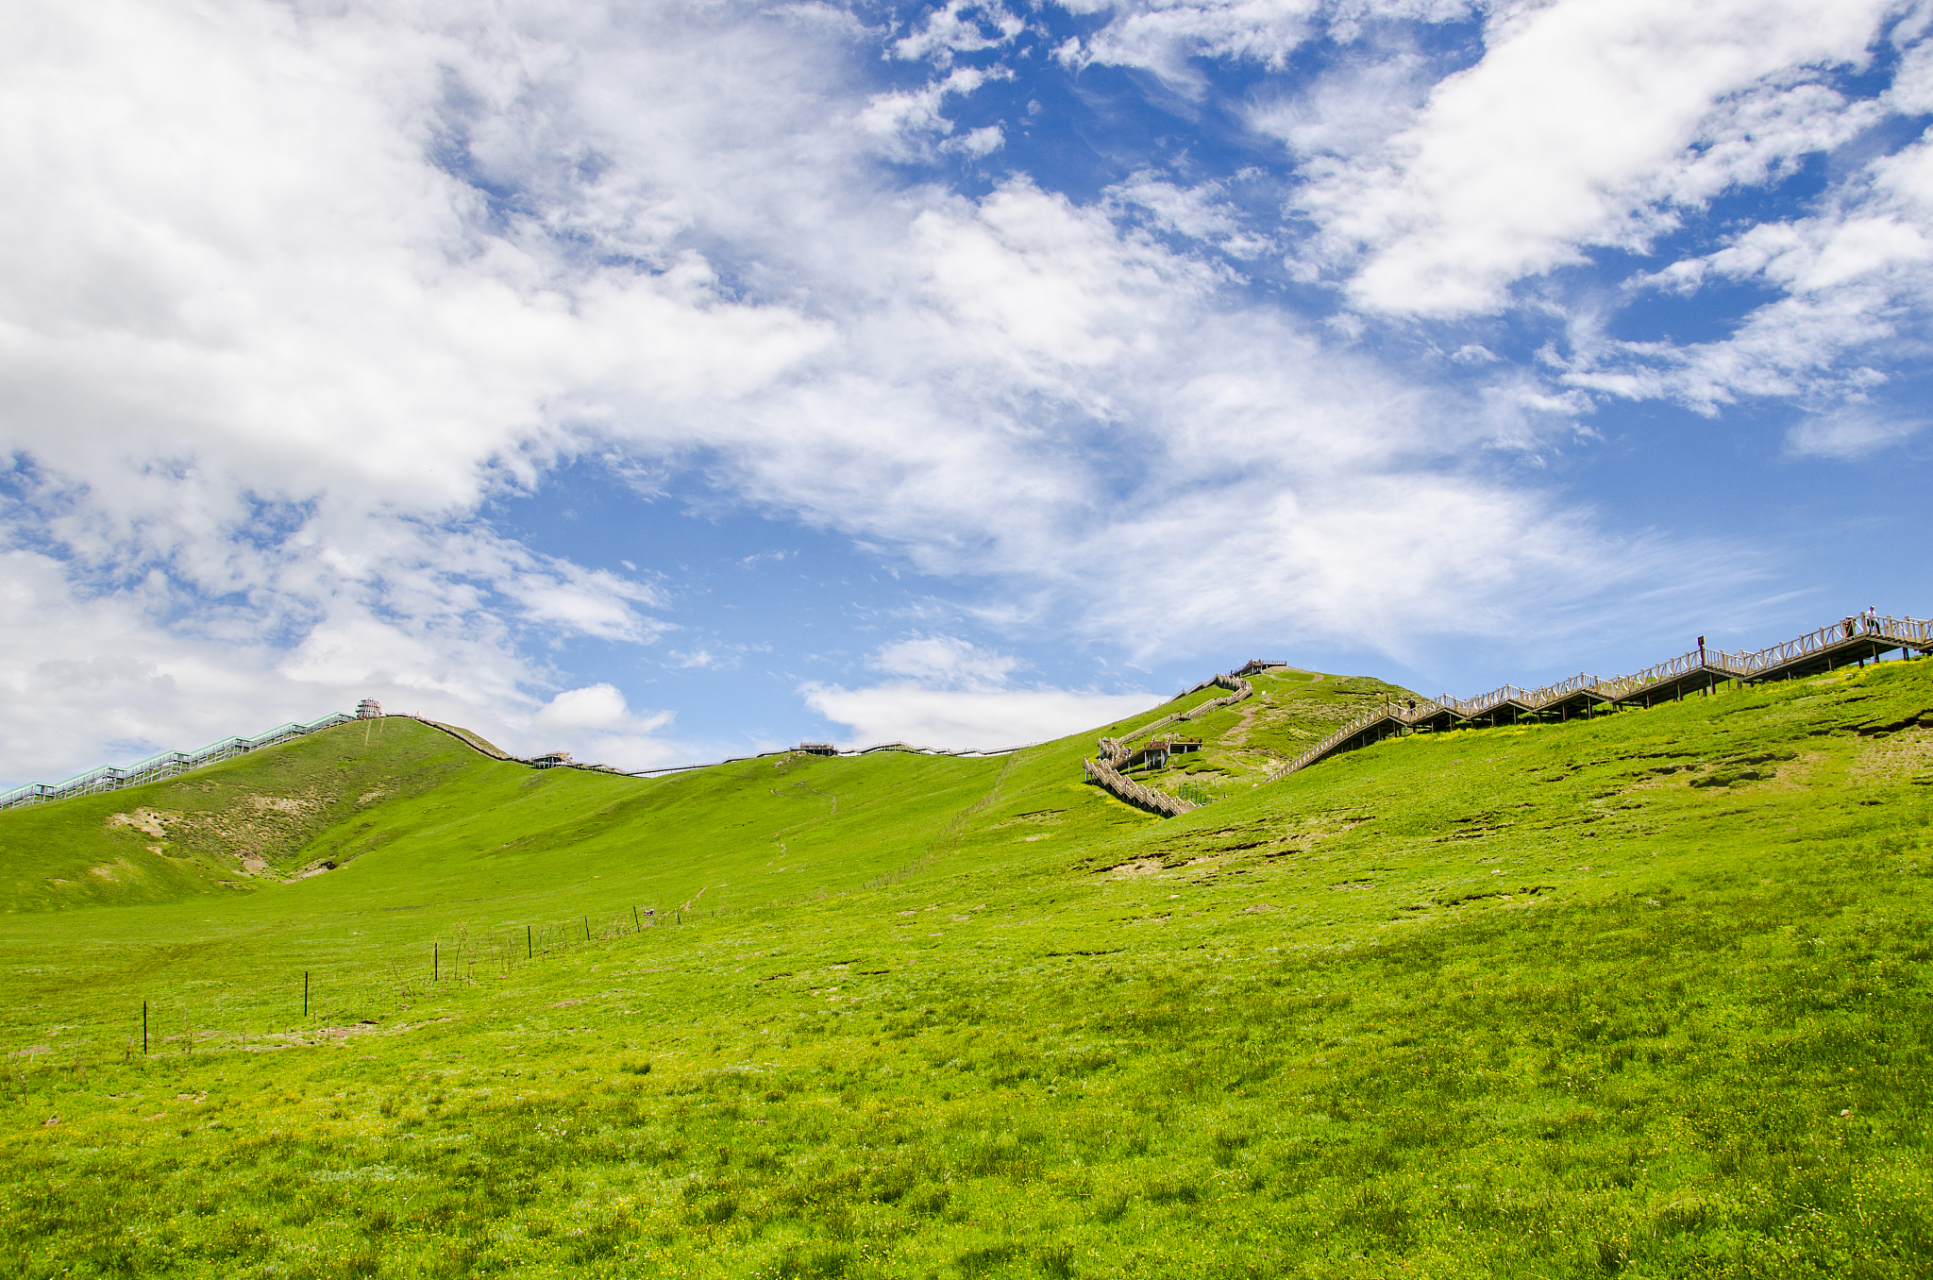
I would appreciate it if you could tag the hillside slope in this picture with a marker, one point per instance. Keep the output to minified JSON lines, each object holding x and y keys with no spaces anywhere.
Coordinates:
{"x":231,"y":826}
{"x":1644,"y":994}
{"x":1248,"y":744}
{"x":332,"y":796}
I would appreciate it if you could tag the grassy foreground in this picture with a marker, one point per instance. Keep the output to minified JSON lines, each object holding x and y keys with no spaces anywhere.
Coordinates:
{"x":1641,"y":995}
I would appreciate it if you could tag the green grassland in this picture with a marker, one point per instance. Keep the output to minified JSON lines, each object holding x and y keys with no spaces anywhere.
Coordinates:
{"x":1640,"y":995}
{"x":223,"y":827}
{"x":1249,"y":743}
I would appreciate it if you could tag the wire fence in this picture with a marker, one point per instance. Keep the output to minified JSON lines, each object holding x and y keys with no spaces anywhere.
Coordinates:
{"x":331,"y":997}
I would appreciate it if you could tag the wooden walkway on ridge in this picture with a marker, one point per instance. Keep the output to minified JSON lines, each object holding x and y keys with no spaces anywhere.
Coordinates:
{"x":1855,"y":639}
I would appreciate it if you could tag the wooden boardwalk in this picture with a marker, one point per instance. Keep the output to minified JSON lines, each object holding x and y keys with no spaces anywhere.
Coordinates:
{"x":165,"y":765}
{"x":1856,"y":639}
{"x":170,"y":763}
{"x":1115,"y":754}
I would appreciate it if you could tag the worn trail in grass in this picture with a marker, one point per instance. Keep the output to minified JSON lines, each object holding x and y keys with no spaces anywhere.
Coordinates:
{"x":1644,"y":994}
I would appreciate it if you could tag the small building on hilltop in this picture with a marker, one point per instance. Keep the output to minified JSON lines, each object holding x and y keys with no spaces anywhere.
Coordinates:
{"x":1155,"y":754}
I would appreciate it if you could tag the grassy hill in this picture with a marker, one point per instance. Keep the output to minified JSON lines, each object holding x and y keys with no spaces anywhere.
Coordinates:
{"x":1641,"y":995}
{"x":232,"y":826}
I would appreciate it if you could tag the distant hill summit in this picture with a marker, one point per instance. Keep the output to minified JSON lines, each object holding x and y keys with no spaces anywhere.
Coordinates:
{"x":321,"y":799}
{"x":1854,"y":639}
{"x":231,"y":825}
{"x":307,"y":799}
{"x":1504,"y":999}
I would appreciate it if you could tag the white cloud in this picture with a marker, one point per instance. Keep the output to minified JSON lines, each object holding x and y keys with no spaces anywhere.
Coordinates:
{"x":960,"y":26}
{"x":946,"y":662}
{"x":1586,"y":123}
{"x":1465,"y":548}
{"x":596,"y":725}
{"x":978,"y":143}
{"x":964,"y":720}
{"x":91,"y":677}
{"x":1199,"y":212}
{"x":1911,"y":92}
{"x":1168,"y":36}
{"x":1849,"y":434}
{"x":1350,"y":110}
{"x":906,"y":120}
{"x":264,"y":357}
{"x":589,"y":602}
{"x":273,"y":331}
{"x":1854,"y":277}
{"x":953,"y":694}
{"x":598,"y":706}
{"x":1164,"y":37}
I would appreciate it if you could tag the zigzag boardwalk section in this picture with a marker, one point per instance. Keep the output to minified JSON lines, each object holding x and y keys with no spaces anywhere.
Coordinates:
{"x":1856,"y":639}
{"x":1116,"y":754}
{"x":1133,"y":792}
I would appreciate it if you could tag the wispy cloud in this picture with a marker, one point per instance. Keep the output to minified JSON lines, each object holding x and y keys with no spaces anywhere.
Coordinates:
{"x":1589,"y":123}
{"x":277,"y":333}
{"x":950,"y":693}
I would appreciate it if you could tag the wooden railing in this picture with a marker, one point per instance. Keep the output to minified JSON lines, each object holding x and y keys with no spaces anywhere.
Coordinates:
{"x":480,"y":745}
{"x":1356,"y":728}
{"x":1116,"y":750}
{"x":1910,"y":633}
{"x":170,"y":763}
{"x":1133,"y":792}
{"x":1115,"y":753}
{"x":165,"y":765}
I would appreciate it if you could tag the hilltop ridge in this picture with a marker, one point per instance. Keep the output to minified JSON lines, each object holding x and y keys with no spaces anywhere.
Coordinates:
{"x":1641,"y":993}
{"x":225,"y":827}
{"x":324,"y":797}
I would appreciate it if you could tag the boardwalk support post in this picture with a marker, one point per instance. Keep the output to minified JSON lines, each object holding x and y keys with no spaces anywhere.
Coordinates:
{"x":1830,"y":647}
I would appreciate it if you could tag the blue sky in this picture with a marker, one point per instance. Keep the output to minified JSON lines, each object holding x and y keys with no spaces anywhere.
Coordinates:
{"x":662,"y":381}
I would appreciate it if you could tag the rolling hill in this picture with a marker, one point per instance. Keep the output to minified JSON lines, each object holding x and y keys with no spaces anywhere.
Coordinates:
{"x":1643,"y":993}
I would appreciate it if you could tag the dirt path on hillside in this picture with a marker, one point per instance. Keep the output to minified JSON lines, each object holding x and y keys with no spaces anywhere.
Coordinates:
{"x":1245,"y":719}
